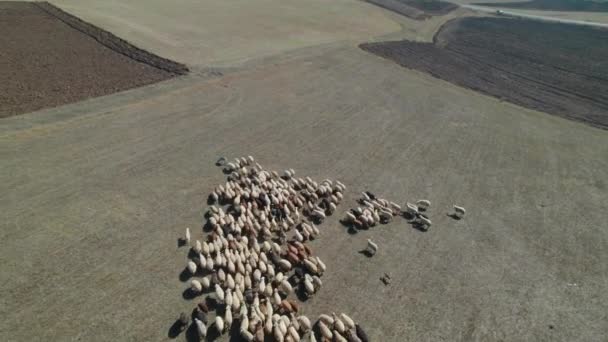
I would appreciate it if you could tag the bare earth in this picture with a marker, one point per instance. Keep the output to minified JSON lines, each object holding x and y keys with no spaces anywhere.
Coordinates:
{"x":47,"y":63}
{"x":526,"y":62}
{"x":96,"y":193}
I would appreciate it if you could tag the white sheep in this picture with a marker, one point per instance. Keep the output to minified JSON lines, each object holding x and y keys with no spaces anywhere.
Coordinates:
{"x":196,"y":286}
{"x":201,"y":328}
{"x":423,"y":204}
{"x":187,"y":237}
{"x":191,"y":266}
{"x":197,"y":248}
{"x":325,"y":330}
{"x":372,"y":247}
{"x":424,"y":222}
{"x":411,"y":209}
{"x":219,"y":324}
{"x":459,"y":211}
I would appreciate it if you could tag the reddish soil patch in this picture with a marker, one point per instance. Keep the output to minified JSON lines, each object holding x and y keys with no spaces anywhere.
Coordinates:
{"x":416,"y":9}
{"x":555,"y":68}
{"x":48,"y":60}
{"x":554,"y":5}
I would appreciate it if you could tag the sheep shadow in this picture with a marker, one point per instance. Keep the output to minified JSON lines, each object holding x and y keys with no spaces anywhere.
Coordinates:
{"x":454,"y":216}
{"x":207,"y":228}
{"x":192,"y":333}
{"x":212,"y":333}
{"x":185,"y":275}
{"x":350,"y":227}
{"x":366,"y":252}
{"x":234,"y":333}
{"x":175,"y":329}
{"x":411,"y":220}
{"x":189,"y":294}
{"x":301,"y":294}
{"x":181,"y":242}
{"x":419,"y":227}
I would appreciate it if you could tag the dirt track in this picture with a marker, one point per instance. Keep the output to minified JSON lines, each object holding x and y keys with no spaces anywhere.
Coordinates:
{"x":48,"y":63}
{"x":552,"y":5}
{"x":533,"y":64}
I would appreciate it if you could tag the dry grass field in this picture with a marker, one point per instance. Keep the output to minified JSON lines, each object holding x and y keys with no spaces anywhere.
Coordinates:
{"x":96,"y":193}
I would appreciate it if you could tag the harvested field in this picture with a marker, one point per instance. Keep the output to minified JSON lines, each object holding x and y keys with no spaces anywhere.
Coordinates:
{"x":415,"y":9}
{"x":533,"y":64}
{"x":95,"y":194}
{"x":53,"y":58}
{"x":431,"y":7}
{"x":553,"y":5}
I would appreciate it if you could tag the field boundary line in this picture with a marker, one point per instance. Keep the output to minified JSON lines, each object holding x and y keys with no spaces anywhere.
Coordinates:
{"x":111,"y":41}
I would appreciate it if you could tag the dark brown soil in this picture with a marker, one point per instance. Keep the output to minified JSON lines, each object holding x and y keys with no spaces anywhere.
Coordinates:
{"x":556,"y":68}
{"x":431,"y":7}
{"x":416,"y":9}
{"x":44,"y":62}
{"x":554,"y":5}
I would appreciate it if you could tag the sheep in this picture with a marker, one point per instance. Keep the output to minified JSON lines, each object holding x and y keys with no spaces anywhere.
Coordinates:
{"x":309,"y":287}
{"x":325,"y":332}
{"x":326,"y":319}
{"x":246,"y":335}
{"x":278,"y":334}
{"x":459,"y":212}
{"x":348,"y":322}
{"x":201,"y":328}
{"x":187,"y":237}
{"x":424,"y":222}
{"x":219,"y":293}
{"x":423,"y":204}
{"x":304,"y":322}
{"x":242,"y":259}
{"x":219,"y":324}
{"x":312,"y":267}
{"x":291,"y":330}
{"x":372,"y":247}
{"x":411,"y":209}
{"x":191,"y":266}
{"x":196,"y":286}
{"x":197,"y":248}
{"x":228,"y":317}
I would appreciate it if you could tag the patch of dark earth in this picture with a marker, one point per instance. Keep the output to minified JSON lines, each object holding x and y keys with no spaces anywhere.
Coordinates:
{"x":553,"y":5}
{"x":550,"y":67}
{"x":416,"y":9}
{"x":46,"y":62}
{"x":431,"y":7}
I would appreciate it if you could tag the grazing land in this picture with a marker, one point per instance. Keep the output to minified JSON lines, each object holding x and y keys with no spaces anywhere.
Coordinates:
{"x":49,"y":63}
{"x":555,"y":68}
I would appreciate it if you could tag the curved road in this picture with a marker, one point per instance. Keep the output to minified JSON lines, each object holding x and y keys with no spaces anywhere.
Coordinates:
{"x":534,"y":17}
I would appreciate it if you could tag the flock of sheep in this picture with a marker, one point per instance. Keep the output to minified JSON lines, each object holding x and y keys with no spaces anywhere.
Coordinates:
{"x":255,"y":256}
{"x":377,"y":210}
